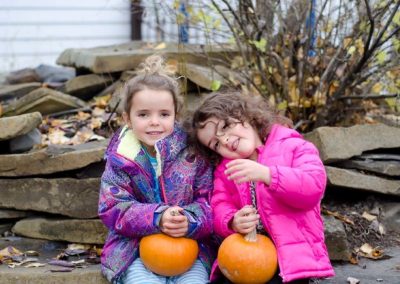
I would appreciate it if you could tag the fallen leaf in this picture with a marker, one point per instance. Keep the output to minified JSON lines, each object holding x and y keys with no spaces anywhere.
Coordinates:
{"x":353,"y":280}
{"x":337,"y":215}
{"x":368,"y":216}
{"x":31,"y":253}
{"x":35,"y":265}
{"x":8,"y":252}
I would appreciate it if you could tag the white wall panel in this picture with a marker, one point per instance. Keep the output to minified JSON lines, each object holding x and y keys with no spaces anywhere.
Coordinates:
{"x":33,"y":32}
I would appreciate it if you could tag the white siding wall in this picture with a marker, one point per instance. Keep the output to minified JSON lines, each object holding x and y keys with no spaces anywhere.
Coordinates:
{"x":37,"y":31}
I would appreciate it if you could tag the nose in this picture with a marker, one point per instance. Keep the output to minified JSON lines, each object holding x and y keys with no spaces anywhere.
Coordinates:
{"x":154,"y":120}
{"x":223,"y":139}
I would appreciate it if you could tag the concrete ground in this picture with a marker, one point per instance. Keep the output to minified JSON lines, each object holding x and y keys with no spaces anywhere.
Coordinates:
{"x":367,"y":271}
{"x":370,"y":271}
{"x":42,"y":275}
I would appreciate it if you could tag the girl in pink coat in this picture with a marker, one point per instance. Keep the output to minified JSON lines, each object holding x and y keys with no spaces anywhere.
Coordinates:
{"x":267,"y":177}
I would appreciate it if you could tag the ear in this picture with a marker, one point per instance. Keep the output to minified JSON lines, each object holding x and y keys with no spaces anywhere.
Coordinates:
{"x":126,"y":119}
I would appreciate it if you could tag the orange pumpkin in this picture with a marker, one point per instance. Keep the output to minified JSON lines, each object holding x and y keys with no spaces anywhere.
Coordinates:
{"x":166,"y":255}
{"x":248,"y":259}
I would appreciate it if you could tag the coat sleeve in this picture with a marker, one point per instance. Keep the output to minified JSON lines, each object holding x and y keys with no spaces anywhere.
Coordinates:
{"x":199,"y":211}
{"x":119,"y":210}
{"x":222,"y":202}
{"x":302,"y":184}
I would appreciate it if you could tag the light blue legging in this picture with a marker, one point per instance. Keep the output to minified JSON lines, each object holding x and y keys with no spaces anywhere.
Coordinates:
{"x":137,"y":273}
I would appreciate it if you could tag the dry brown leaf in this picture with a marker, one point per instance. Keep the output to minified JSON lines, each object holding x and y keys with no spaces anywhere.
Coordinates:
{"x":337,"y":215}
{"x":366,"y":250}
{"x":368,"y":216}
{"x":35,"y":265}
{"x":8,"y":252}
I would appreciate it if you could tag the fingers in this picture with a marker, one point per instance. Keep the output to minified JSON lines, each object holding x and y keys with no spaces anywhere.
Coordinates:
{"x":245,"y":220}
{"x":175,"y":233}
{"x":174,"y":223}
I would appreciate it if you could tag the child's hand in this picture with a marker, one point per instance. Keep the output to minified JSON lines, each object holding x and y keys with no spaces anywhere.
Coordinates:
{"x":245,"y":220}
{"x":244,"y":170}
{"x":174,"y":223}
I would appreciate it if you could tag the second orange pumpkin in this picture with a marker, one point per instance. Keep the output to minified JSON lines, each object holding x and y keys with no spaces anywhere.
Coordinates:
{"x":243,"y":261}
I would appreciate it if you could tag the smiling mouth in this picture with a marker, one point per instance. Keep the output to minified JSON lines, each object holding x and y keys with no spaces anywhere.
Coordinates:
{"x":235,"y":145}
{"x":154,"y":133}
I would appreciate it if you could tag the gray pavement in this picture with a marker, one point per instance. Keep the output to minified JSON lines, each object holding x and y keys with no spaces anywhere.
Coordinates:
{"x":368,"y":271}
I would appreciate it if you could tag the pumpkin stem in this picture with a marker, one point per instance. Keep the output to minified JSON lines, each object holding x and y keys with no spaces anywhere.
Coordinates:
{"x":252,"y":236}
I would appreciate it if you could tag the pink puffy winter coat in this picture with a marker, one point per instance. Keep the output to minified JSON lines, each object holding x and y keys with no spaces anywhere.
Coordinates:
{"x":289,"y":207}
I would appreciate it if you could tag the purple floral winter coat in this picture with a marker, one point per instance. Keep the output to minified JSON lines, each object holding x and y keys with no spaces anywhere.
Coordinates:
{"x":128,"y":202}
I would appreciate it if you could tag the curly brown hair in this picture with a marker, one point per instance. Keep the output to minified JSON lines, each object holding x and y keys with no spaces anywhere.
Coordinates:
{"x":233,"y":105}
{"x":153,"y":74}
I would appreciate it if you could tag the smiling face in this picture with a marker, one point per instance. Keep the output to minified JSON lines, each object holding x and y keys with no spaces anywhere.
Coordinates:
{"x":231,"y":140}
{"x":151,"y":116}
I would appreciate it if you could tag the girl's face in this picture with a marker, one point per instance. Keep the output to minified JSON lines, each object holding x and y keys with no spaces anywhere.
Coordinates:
{"x":232,"y":140}
{"x":151,"y":117}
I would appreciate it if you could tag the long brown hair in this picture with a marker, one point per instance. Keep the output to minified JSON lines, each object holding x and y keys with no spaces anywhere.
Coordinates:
{"x":153,"y":74}
{"x":244,"y":108}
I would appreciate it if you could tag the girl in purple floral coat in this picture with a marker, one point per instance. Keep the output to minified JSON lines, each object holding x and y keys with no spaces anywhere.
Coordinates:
{"x":149,"y":175}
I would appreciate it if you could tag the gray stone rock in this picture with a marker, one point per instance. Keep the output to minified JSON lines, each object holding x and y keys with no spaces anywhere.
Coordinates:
{"x":341,"y":143}
{"x":66,"y":196}
{"x":336,"y":239}
{"x":54,"y":74}
{"x":354,"y":180}
{"x":11,"y":214}
{"x":25,"y":75}
{"x":86,"y":86}
{"x":25,"y":142}
{"x":201,"y":75}
{"x":14,"y":126}
{"x":17,"y":91}
{"x":389,"y":168}
{"x":391,"y":216}
{"x":52,"y":159}
{"x":45,"y":101}
{"x":86,"y":231}
{"x":128,"y":56}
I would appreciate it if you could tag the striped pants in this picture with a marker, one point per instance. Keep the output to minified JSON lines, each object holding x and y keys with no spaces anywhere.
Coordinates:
{"x":137,"y":273}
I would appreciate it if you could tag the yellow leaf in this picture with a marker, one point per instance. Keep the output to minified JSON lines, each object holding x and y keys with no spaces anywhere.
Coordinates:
{"x":257,"y":79}
{"x":282,"y":105}
{"x":376,"y":88}
{"x":347,"y":41}
{"x":351,"y":50}
{"x":215,"y":85}
{"x":217,"y":24}
{"x":381,"y":57}
{"x":360,"y":45}
{"x":161,"y":46}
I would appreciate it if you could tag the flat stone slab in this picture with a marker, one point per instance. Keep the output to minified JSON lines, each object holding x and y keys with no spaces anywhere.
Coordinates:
{"x":52,"y":159}
{"x":201,"y":75}
{"x":341,"y":143}
{"x":85,"y":231}
{"x":12,"y":214}
{"x":129,"y":55}
{"x":45,"y":101}
{"x":86,"y":86}
{"x":355,"y":180}
{"x":14,"y":126}
{"x":389,"y":168}
{"x":77,"y":198}
{"x":17,"y":91}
